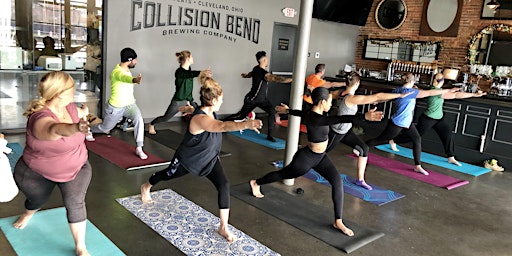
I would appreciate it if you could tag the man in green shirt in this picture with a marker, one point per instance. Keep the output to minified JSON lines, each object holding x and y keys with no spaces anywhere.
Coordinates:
{"x":122,"y":101}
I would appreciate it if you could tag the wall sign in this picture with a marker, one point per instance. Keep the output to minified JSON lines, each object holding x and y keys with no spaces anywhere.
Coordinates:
{"x":289,"y":12}
{"x":284,"y":43}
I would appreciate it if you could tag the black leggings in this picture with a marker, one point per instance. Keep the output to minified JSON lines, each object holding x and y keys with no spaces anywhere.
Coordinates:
{"x":216,"y":176}
{"x":37,"y":189}
{"x":442,"y":129}
{"x":171,"y":111}
{"x":249,"y":106}
{"x":350,"y":139}
{"x":392,"y":131}
{"x":304,"y":160}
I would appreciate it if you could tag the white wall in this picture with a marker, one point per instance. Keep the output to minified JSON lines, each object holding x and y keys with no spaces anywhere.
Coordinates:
{"x":227,"y":58}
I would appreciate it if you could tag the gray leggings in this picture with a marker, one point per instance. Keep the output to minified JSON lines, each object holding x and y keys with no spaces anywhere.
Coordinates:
{"x":112,"y":117}
{"x":37,"y":189}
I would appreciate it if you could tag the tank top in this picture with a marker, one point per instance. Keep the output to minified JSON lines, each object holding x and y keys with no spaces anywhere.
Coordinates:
{"x":435,"y":105}
{"x":342,"y":110}
{"x":198,"y":153}
{"x":57,"y":160}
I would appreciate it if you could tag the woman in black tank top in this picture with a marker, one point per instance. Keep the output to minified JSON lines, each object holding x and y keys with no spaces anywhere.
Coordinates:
{"x":198,"y":153}
{"x":314,"y":156}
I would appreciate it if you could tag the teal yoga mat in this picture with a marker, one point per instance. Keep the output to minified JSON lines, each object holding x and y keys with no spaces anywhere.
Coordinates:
{"x":261,"y":139}
{"x":48,"y":233}
{"x":17,"y":150}
{"x":437,"y":160}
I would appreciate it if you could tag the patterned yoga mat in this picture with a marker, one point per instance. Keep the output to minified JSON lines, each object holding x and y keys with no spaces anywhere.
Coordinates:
{"x":189,"y":227}
{"x":434,"y":178}
{"x":377,"y":195}
{"x":436,"y":160}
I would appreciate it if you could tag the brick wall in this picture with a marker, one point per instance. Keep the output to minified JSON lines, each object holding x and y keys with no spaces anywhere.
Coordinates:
{"x":454,"y":49}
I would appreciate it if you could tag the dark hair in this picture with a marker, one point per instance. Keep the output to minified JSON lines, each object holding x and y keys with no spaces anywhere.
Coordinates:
{"x":353,"y":78}
{"x":319,"y":68}
{"x":210,"y":89}
{"x":260,"y":55}
{"x":319,"y":94}
{"x":182,"y":56}
{"x":128,"y":54}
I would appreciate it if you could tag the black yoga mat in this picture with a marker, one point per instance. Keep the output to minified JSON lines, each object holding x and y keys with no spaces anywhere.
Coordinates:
{"x":172,"y":139}
{"x":314,"y":220}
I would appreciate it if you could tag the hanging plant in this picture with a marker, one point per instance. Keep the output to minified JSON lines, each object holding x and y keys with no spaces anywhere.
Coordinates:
{"x":414,"y":45}
{"x":472,"y":48}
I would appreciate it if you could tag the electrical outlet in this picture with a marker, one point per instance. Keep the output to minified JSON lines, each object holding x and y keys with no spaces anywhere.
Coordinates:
{"x":317,"y":55}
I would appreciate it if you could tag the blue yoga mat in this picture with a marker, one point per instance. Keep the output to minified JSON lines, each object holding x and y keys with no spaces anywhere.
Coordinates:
{"x":378,"y":196}
{"x":261,"y":139}
{"x":48,"y":233}
{"x":189,"y":227}
{"x":436,"y":160}
{"x":17,"y":150}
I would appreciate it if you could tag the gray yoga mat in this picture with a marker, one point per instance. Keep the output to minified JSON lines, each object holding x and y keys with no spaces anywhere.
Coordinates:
{"x":314,"y":220}
{"x":172,"y":139}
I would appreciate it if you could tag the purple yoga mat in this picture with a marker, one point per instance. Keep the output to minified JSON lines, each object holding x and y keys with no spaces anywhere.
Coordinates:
{"x":434,"y":178}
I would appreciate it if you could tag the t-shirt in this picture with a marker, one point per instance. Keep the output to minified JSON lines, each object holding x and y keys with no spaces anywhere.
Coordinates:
{"x":405,"y":107}
{"x":198,"y":153}
{"x":122,"y":88}
{"x":259,"y":84}
{"x":57,"y":160}
{"x":435,"y":105}
{"x":184,"y":84}
{"x":315,"y":81}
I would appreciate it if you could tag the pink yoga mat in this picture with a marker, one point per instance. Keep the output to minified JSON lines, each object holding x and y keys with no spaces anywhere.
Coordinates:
{"x":122,"y":154}
{"x":434,"y":178}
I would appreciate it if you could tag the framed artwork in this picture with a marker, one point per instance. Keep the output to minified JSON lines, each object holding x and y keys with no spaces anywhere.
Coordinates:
{"x":503,"y":12}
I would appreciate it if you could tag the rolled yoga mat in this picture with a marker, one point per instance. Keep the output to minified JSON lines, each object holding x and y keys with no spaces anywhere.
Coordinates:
{"x":190,"y":228}
{"x":436,"y":160}
{"x":122,"y":154}
{"x":172,"y":139}
{"x":434,"y":178}
{"x":312,"y":219}
{"x":48,"y":233}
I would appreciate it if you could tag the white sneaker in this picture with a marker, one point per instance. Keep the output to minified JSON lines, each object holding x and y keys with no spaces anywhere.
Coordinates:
{"x":141,"y":154}
{"x":89,"y":137}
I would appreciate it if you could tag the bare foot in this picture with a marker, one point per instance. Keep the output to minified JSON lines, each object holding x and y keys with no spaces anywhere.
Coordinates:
{"x":82,"y":252}
{"x":24,"y":219}
{"x":420,"y":169}
{"x":452,"y":160}
{"x":145,"y":194}
{"x":152,"y":129}
{"x":256,"y":189}
{"x":338,"y":224}
{"x":227,"y":234}
{"x":392,"y":144}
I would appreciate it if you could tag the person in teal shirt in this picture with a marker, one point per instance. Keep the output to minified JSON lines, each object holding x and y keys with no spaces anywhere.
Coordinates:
{"x":122,"y":101}
{"x":182,"y":101}
{"x":433,"y":118}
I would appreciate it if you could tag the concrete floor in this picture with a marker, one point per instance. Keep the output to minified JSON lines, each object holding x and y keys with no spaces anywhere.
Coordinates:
{"x":474,"y":219}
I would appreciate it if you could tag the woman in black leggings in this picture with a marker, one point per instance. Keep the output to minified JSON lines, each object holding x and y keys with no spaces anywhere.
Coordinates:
{"x":198,"y":153}
{"x":314,"y":156}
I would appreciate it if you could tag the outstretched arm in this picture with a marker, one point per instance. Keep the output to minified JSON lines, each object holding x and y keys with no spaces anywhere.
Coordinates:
{"x":374,"y":98}
{"x":278,"y":79}
{"x":246,"y":75}
{"x":427,"y":93}
{"x":328,"y":84}
{"x":207,"y":123}
{"x":462,"y":95}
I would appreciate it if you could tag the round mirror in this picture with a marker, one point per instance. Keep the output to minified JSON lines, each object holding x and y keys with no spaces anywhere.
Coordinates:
{"x":441,"y":14}
{"x":390,"y":14}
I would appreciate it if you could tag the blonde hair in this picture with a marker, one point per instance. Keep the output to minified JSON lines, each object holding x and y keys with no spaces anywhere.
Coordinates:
{"x":182,"y":56}
{"x":210,"y":89}
{"x":407,"y":78}
{"x":51,"y":85}
{"x":353,"y":78}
